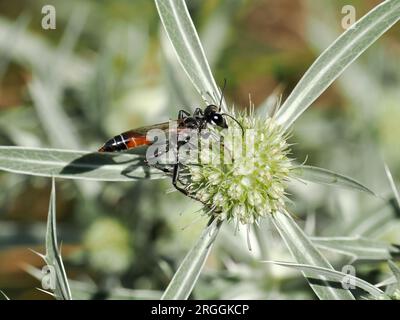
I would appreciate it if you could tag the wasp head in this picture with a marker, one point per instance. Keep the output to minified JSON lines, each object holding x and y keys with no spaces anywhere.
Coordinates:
{"x":213,"y":116}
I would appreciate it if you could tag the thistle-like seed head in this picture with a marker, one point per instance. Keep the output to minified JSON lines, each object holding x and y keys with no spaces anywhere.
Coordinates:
{"x":245,"y":175}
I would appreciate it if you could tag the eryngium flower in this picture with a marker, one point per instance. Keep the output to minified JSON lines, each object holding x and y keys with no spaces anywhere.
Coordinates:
{"x":245,"y":178}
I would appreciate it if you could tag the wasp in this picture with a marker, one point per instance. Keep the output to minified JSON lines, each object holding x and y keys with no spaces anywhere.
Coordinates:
{"x":198,"y":120}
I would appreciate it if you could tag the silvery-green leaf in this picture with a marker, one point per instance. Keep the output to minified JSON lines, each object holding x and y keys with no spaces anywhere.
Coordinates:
{"x":53,"y":256}
{"x":333,"y":275}
{"x":188,"y":272}
{"x":357,"y":247}
{"x":76,"y":164}
{"x":324,"y":176}
{"x":185,"y":40}
{"x":304,"y":252}
{"x":337,"y":57}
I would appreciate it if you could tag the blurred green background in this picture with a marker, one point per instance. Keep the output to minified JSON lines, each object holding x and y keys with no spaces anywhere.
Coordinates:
{"x":107,"y":67}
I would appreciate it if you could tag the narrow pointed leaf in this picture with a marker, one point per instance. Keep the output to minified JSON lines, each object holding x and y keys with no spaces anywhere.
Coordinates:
{"x":53,"y":257}
{"x":188,"y":272}
{"x":304,"y":252}
{"x":181,"y":32}
{"x":357,"y":247}
{"x":337,"y":57}
{"x":76,"y":164}
{"x":324,"y":176}
{"x":333,"y":275}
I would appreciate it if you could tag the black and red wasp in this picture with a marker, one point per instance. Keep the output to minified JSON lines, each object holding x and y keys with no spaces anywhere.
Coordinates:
{"x":211,"y":115}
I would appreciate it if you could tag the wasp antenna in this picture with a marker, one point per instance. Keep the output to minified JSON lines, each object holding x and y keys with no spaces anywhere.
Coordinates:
{"x":234,"y":119}
{"x":222,"y":95}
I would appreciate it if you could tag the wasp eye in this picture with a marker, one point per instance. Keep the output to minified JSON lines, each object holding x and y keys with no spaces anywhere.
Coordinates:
{"x":218,"y":120}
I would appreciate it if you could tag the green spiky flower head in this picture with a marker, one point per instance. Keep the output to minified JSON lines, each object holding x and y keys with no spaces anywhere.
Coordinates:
{"x":244,"y":176}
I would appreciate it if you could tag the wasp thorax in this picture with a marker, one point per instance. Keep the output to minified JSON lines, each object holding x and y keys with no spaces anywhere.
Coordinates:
{"x":242,"y":175}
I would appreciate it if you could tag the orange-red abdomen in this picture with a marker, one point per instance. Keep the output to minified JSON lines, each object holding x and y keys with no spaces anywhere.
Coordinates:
{"x":125,"y":141}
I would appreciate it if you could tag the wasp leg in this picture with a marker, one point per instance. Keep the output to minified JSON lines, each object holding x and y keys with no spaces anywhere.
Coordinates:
{"x":198,"y":112}
{"x":162,"y":167}
{"x":182,"y":114}
{"x":176,"y":178}
{"x":175,"y":173}
{"x":160,"y":152}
